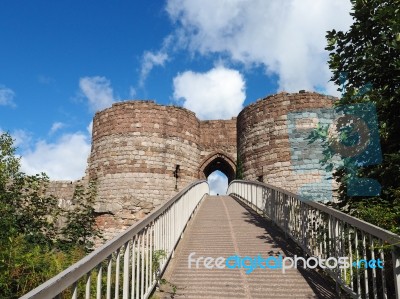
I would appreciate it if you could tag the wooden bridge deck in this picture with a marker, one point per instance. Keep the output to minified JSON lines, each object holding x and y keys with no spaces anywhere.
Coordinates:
{"x":223,"y":227}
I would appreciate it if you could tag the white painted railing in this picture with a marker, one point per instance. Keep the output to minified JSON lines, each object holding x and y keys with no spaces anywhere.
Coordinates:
{"x":325,"y":232}
{"x":130,"y":264}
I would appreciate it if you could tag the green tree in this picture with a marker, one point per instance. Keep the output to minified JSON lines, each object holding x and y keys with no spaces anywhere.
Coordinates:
{"x":80,"y":229}
{"x":369,"y":54}
{"x":32,"y":247}
{"x":24,"y":206}
{"x":239,"y":167}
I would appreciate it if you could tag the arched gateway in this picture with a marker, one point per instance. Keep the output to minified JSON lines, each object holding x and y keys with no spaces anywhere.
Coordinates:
{"x":218,"y":161}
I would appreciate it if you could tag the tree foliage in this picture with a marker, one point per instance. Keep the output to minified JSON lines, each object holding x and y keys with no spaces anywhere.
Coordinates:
{"x":80,"y":229}
{"x":33,"y":246}
{"x":365,"y":62}
{"x":24,"y":207}
{"x":239,"y":167}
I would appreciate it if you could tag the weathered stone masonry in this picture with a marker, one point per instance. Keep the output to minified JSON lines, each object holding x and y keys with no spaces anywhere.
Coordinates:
{"x":263,"y":140}
{"x":138,"y":147}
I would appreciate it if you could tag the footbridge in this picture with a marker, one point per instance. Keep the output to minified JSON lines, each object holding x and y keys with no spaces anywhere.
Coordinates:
{"x":259,"y":241}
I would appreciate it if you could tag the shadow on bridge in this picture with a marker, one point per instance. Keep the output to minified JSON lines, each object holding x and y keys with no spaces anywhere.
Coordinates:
{"x":321,"y":285}
{"x":224,"y":227}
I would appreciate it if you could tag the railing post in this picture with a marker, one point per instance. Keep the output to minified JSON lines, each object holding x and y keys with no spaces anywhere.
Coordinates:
{"x":109,"y":272}
{"x":251,"y":196}
{"x":125,"y":290}
{"x":272,"y":204}
{"x":286,"y":212}
{"x":133,"y":268}
{"x":99,"y":280}
{"x":87,"y":292}
{"x":75,"y":290}
{"x":396,"y":269}
{"x":117,"y":269}
{"x":173,"y":228}
{"x":382,"y":257}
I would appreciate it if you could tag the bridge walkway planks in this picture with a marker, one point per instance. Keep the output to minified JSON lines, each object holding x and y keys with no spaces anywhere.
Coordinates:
{"x":224,"y":227}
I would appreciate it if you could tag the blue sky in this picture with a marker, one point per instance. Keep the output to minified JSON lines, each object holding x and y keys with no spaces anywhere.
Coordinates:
{"x":60,"y":61}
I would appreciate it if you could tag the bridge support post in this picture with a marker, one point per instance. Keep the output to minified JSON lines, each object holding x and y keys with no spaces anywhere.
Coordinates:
{"x":396,"y":269}
{"x":286,"y":214}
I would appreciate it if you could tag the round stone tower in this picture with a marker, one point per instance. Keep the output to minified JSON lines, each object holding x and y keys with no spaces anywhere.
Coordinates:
{"x":266,"y":152}
{"x":142,"y":153}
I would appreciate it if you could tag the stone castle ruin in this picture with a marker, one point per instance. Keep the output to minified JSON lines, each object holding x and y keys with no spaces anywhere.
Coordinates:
{"x":144,"y":153}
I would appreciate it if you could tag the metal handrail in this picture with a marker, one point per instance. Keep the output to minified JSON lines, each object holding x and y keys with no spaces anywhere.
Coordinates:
{"x":325,"y":232}
{"x":158,"y":233}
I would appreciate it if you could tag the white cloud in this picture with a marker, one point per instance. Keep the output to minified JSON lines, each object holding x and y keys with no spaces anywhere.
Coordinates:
{"x":98,"y":91}
{"x":216,"y":94}
{"x":55,"y":127}
{"x":89,"y":128}
{"x":150,"y":60}
{"x":66,"y":159}
{"x":286,"y":37}
{"x":132,"y":92}
{"x":218,"y":183}
{"x":6,"y":96}
{"x":21,"y":138}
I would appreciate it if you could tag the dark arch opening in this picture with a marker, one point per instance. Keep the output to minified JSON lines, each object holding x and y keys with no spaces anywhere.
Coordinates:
{"x":219,"y":162}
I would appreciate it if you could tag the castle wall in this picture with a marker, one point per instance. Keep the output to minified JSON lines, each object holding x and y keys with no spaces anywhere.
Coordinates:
{"x":63,"y":191}
{"x":263,"y":140}
{"x":135,"y":150}
{"x":137,"y":145}
{"x":217,"y":137}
